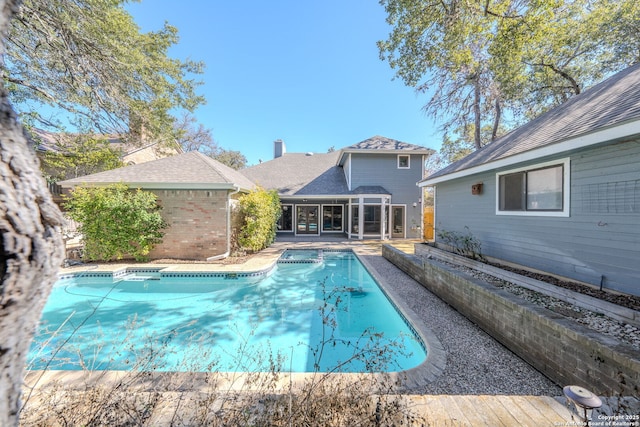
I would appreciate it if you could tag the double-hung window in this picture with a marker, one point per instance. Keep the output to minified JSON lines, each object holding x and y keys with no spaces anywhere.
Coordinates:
{"x":539,"y":190}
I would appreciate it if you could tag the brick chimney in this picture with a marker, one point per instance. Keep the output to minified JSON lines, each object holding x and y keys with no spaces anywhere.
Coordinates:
{"x":278,"y":148}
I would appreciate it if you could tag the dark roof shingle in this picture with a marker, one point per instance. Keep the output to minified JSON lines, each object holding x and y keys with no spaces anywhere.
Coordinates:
{"x":300,"y":174}
{"x":184,"y":170}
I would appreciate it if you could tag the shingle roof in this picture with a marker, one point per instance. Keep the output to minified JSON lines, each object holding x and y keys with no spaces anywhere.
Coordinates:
{"x":613,"y":102}
{"x":188,"y":170}
{"x":381,"y":144}
{"x":300,"y":174}
{"x":370,"y":189}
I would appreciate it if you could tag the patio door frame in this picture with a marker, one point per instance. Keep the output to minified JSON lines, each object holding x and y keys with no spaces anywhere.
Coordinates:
{"x":392,"y":222}
{"x":307,"y":225}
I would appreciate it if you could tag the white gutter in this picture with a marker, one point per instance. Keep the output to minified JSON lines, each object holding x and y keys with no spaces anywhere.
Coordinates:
{"x":228,"y":252}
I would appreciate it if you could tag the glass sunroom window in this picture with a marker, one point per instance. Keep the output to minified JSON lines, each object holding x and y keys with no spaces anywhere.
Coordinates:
{"x":332,"y":218}
{"x":372,"y":219}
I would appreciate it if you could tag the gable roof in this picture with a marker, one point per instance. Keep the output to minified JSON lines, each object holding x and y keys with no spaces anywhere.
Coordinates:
{"x":192,"y":170}
{"x":381,"y":144}
{"x":607,"y":111}
{"x":300,"y":174}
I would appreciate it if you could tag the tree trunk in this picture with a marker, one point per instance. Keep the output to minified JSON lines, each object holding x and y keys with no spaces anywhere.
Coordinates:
{"x":476,"y":112}
{"x":496,"y":121}
{"x":30,"y":248}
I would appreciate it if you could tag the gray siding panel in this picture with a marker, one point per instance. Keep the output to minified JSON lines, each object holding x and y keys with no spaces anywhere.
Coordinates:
{"x":600,"y":238}
{"x":382,"y":169}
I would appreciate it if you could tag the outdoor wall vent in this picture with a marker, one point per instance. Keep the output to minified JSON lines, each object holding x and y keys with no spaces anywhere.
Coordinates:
{"x":476,"y":189}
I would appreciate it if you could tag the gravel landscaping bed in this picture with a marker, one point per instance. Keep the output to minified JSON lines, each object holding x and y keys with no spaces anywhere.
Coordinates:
{"x":596,"y":321}
{"x":629,"y":301}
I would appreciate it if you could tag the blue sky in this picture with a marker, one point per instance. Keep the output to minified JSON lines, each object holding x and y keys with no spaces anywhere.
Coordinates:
{"x":306,"y":72}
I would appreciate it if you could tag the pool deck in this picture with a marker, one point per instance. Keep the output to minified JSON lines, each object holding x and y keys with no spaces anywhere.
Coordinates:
{"x":439,"y":410}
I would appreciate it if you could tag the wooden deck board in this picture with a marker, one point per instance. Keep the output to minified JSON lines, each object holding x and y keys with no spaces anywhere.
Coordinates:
{"x":487,"y":410}
{"x":478,"y":412}
{"x":496,"y":405}
{"x":455,"y":413}
{"x":538,"y":410}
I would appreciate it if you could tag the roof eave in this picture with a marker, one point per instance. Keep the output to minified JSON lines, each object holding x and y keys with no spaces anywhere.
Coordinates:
{"x":620,"y":131}
{"x":162,"y":185}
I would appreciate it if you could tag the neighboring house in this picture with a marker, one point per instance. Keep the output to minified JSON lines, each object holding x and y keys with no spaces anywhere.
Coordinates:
{"x":366,"y":190}
{"x":196,"y":193}
{"x":130,"y":153}
{"x":560,"y":194}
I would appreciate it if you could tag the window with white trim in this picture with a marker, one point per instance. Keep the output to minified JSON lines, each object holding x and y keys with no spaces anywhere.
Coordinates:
{"x":404,"y":161}
{"x":541,"y":190}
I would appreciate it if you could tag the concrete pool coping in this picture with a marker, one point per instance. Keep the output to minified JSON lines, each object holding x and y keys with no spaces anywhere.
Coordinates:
{"x":264,"y":261}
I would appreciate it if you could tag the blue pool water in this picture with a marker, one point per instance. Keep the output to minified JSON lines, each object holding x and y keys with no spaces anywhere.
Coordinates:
{"x":324,"y":315}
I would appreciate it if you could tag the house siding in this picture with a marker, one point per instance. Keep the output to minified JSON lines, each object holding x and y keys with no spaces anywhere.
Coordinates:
{"x":197,"y":224}
{"x":598,"y":243}
{"x":382,"y":170}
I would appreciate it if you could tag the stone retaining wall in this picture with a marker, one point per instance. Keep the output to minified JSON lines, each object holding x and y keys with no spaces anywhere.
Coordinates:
{"x":563,"y":350}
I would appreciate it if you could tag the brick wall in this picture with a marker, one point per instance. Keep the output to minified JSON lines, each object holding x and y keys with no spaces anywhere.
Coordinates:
{"x":564,"y":351}
{"x":197,"y":224}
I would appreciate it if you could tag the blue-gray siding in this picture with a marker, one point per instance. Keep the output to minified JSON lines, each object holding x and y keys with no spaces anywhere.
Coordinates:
{"x":382,"y":170}
{"x":600,"y":238}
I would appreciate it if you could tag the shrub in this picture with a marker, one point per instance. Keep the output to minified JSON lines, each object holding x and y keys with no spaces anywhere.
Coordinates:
{"x":259,"y":212}
{"x":464,"y":244}
{"x":116,"y":222}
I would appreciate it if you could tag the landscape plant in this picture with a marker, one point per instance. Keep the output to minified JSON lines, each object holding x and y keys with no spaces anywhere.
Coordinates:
{"x":116,"y":222}
{"x":465,"y":244}
{"x":258,"y":213}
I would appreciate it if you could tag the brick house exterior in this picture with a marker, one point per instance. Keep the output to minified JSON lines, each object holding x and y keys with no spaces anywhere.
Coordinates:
{"x":196,"y":194}
{"x":197,"y":222}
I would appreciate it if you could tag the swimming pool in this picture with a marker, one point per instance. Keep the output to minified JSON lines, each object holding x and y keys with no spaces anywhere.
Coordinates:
{"x":323,"y":315}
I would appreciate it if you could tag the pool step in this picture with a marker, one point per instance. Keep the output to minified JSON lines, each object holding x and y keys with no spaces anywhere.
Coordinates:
{"x":137,"y":277}
{"x":301,"y":256}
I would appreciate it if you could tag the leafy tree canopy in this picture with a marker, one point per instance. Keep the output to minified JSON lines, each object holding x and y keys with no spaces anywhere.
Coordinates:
{"x":482,"y":62}
{"x":232,"y":158}
{"x":89,"y":59}
{"x":79,"y":156}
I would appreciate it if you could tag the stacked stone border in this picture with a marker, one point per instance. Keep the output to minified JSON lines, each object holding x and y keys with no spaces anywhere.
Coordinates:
{"x":563,"y":350}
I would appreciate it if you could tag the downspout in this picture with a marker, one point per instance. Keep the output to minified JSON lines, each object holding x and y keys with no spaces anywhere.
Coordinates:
{"x":226,"y":254}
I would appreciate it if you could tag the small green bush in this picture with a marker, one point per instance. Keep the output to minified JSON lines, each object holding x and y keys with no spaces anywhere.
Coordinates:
{"x":116,"y":222}
{"x":464,"y":244}
{"x":259,"y":212}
